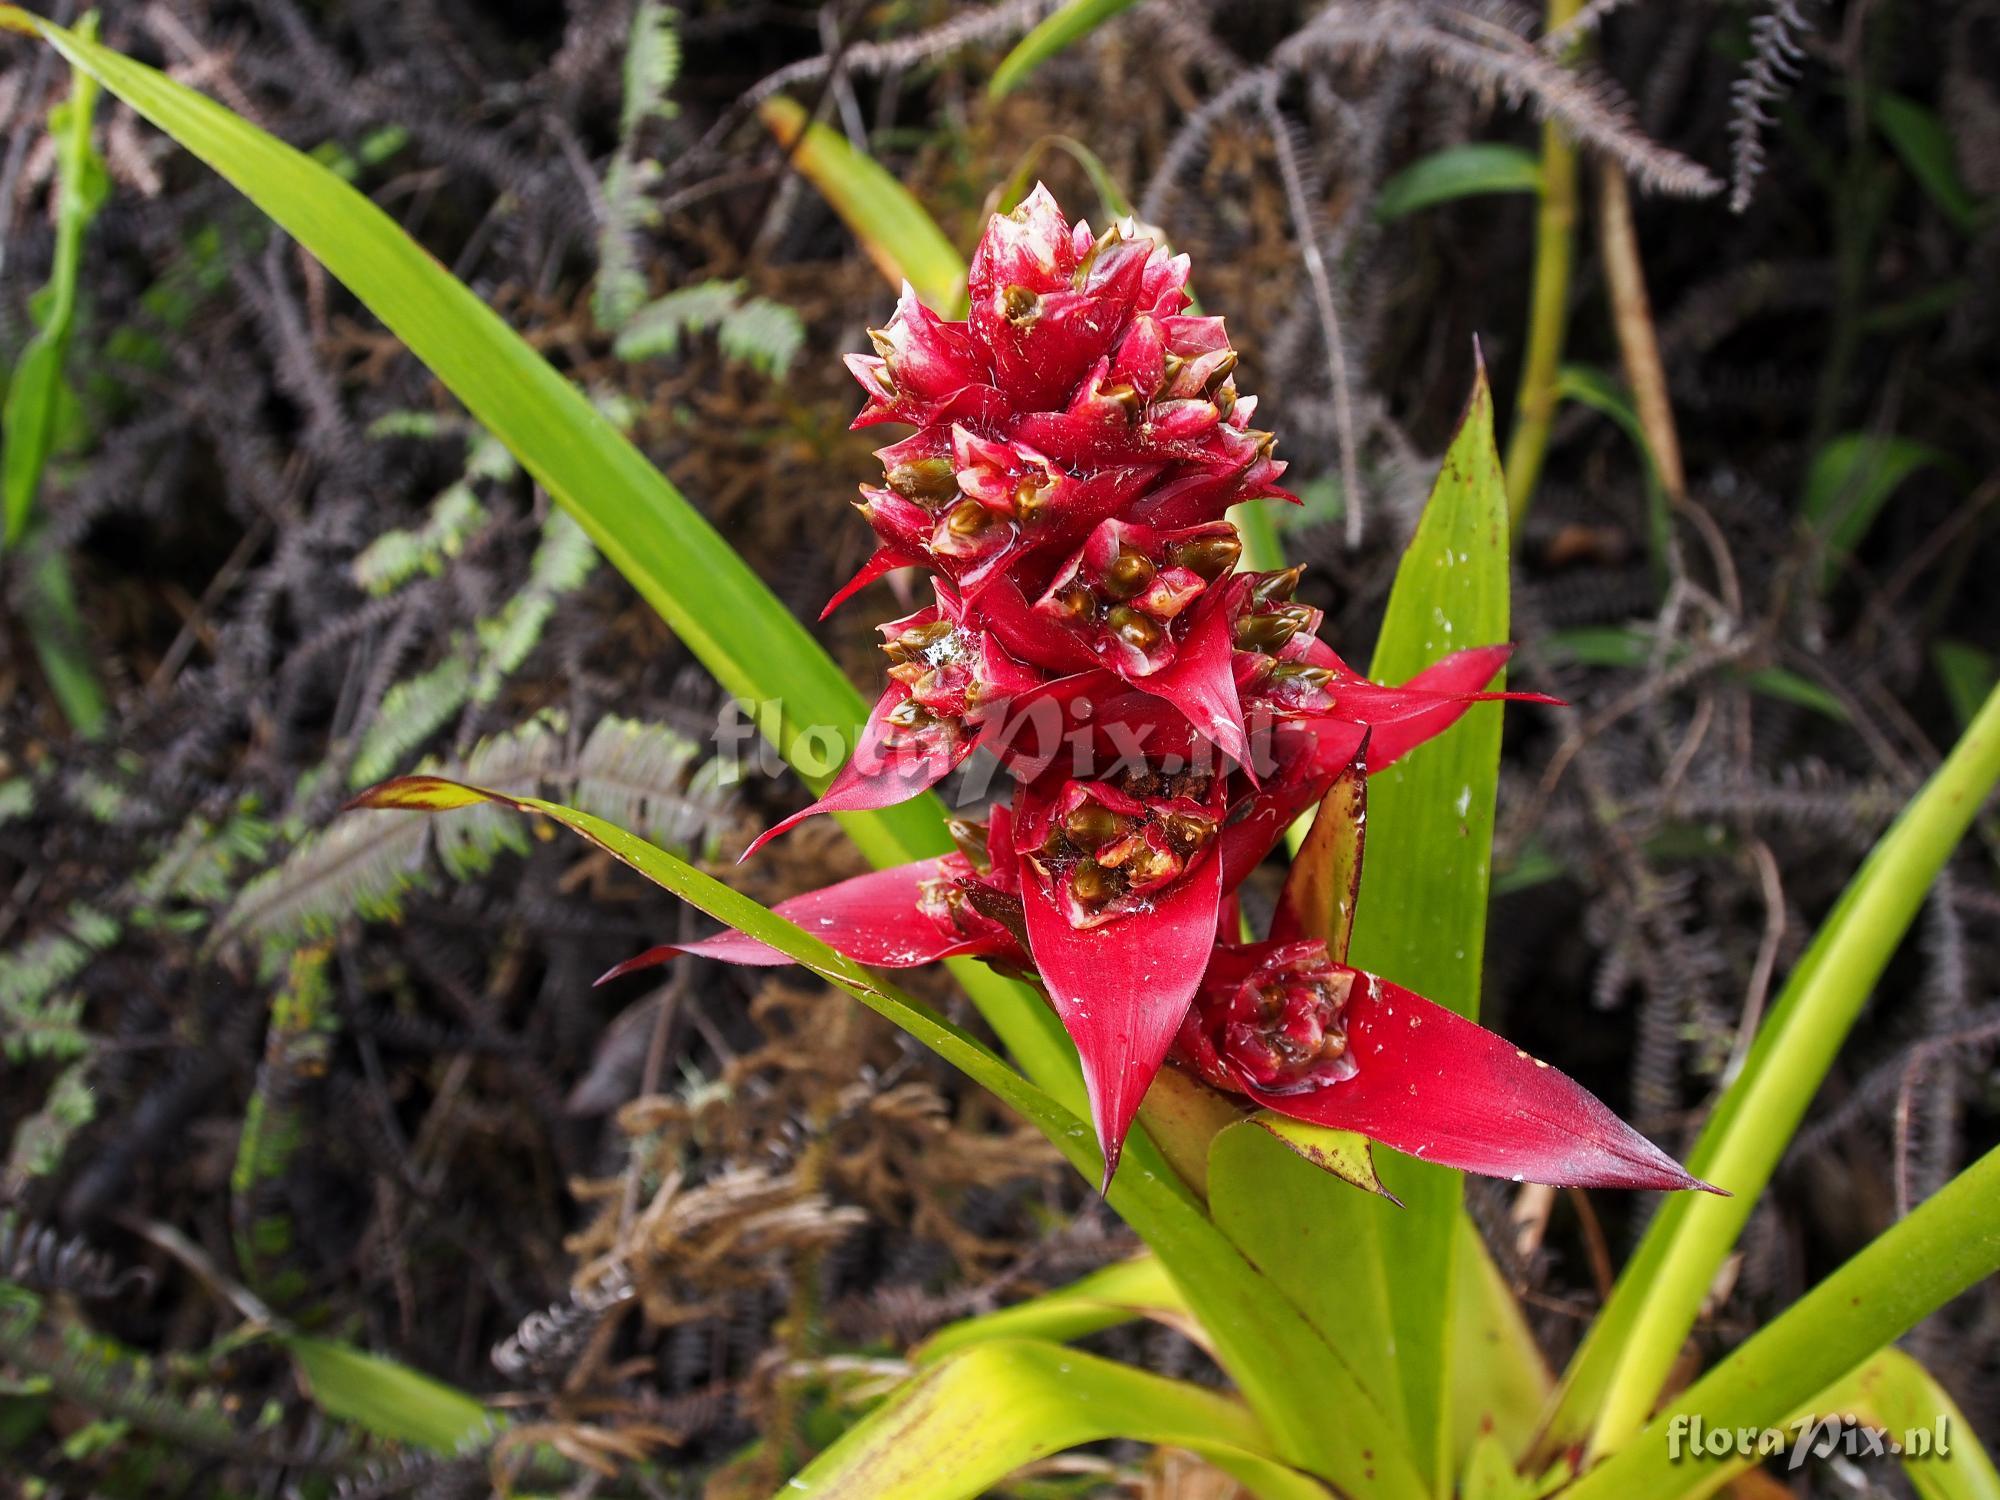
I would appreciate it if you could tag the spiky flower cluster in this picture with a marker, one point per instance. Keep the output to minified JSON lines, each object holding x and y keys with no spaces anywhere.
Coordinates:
{"x":1078,"y":441}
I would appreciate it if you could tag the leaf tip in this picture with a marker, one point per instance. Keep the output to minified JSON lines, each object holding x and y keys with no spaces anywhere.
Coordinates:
{"x":419,"y":794}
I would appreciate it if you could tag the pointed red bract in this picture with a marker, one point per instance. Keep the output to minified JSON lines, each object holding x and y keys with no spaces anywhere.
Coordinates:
{"x":881,"y":773}
{"x":896,"y":918}
{"x":1417,"y":1077}
{"x":1121,"y":988}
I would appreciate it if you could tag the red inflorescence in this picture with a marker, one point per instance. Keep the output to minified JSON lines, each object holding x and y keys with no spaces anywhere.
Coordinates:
{"x":1078,"y":441}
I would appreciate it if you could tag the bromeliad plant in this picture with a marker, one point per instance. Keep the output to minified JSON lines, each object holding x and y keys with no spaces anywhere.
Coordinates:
{"x":1077,"y":440}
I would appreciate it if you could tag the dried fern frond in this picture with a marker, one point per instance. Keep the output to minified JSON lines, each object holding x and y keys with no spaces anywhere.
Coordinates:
{"x":1777,"y":54}
{"x":1479,"y":43}
{"x":1476,"y":42}
{"x":36,"y":1257}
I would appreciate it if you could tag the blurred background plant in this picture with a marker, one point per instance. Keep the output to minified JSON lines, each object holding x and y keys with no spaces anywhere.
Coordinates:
{"x":343,"y":1075}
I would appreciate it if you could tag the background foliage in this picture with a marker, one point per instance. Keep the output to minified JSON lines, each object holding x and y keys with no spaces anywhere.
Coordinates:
{"x":352,"y":1069}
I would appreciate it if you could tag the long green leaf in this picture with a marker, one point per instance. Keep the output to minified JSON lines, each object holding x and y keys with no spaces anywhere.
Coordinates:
{"x":1070,"y":23}
{"x":388,"y":1399}
{"x":1422,"y":917}
{"x":1949,"y":1243}
{"x":1500,"y":1379}
{"x":1894,"y":1393}
{"x":1321,"y":1240}
{"x":1618,"y":1373}
{"x":968,"y":1422}
{"x":1968,"y":674}
{"x":1114,"y":1294}
{"x":36,"y":391}
{"x":664,"y":547}
{"x":1458,"y":172}
{"x":902,"y":240}
{"x":1287,"y":1373}
{"x":1924,"y":143}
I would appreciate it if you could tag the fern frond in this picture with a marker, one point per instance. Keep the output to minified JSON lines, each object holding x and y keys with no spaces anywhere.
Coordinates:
{"x":637,"y":776}
{"x":412,"y":424}
{"x":652,"y":66}
{"x":201,"y":864}
{"x":398,"y":555}
{"x":36,"y":1021}
{"x":41,"y":1139}
{"x":297,"y":1045}
{"x":362,"y":865}
{"x":562,"y":562}
{"x":456,"y":514}
{"x":763,"y":334}
{"x":365,"y":863}
{"x":658,"y":327}
{"x":412,"y":711}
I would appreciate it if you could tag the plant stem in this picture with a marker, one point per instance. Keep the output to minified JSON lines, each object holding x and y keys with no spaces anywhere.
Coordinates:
{"x":1632,"y":319}
{"x":1548,"y":306}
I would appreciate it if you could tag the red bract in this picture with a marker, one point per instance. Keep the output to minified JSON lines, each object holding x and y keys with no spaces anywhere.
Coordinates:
{"x":1164,"y":717}
{"x":1287,"y":1027}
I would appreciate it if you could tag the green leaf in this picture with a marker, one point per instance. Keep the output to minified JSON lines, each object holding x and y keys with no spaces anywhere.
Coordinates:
{"x":1110,"y":196}
{"x":1851,"y":479}
{"x":1290,"y":1376}
{"x":62,"y":645}
{"x":1618,"y":1373}
{"x":390,"y":1400}
{"x":1115,"y":1294}
{"x":36,"y":391}
{"x":964,"y":1424}
{"x":1317,"y":1238}
{"x":1500,"y":1381}
{"x":1925,"y":146}
{"x":1458,"y":172}
{"x":1949,"y":1243}
{"x":895,"y":231}
{"x":1422,"y":918}
{"x":1069,"y":24}
{"x":1893,"y":1392}
{"x":667,"y":550}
